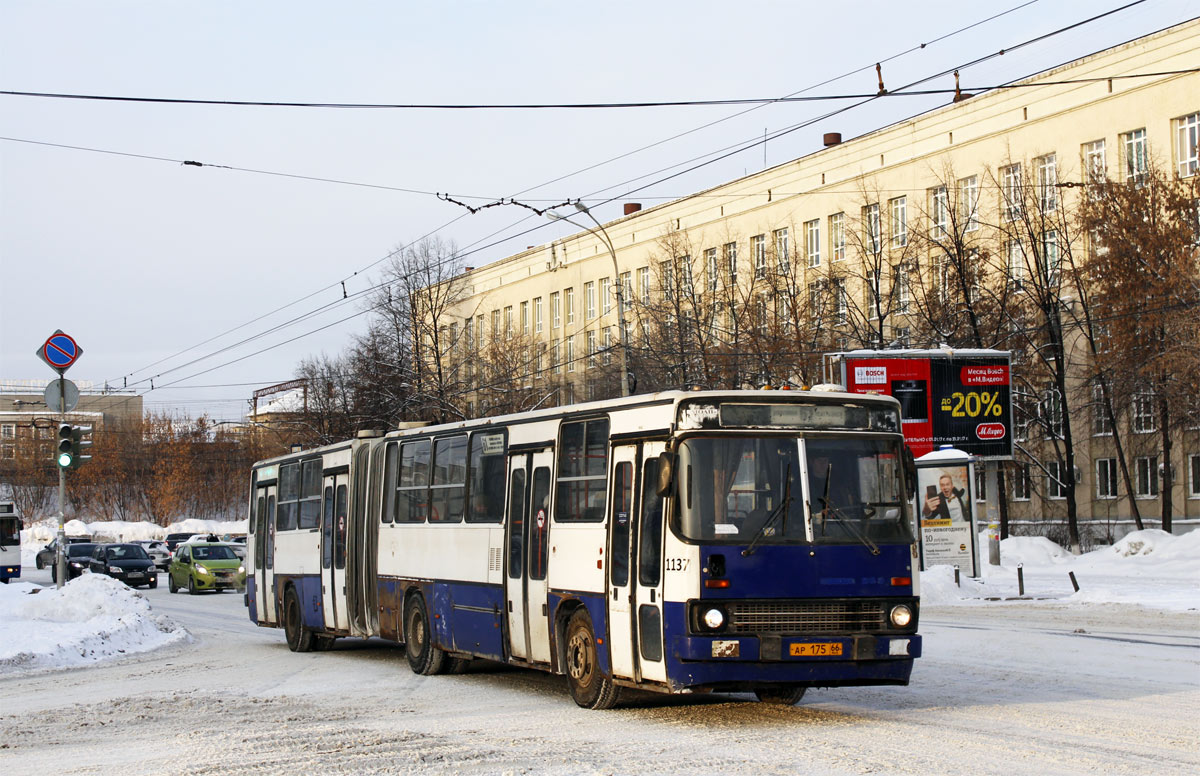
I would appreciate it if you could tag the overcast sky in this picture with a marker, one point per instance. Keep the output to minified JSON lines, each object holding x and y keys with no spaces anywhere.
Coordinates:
{"x":141,"y":260}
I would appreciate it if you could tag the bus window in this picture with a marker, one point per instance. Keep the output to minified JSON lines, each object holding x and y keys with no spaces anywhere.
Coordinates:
{"x":412,"y":495}
{"x":270,"y":532}
{"x":310,"y":494}
{"x":650,"y":549}
{"x":516,"y":524}
{"x":339,"y":515}
{"x":289,"y":495}
{"x":622,"y":516}
{"x":449,"y":485}
{"x":582,"y":463}
{"x":541,"y":523}
{"x":486,"y":477}
{"x":327,"y":530}
{"x":391,"y":465}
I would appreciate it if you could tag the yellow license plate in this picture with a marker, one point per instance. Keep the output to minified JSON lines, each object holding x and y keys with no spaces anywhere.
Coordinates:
{"x":814,"y":650}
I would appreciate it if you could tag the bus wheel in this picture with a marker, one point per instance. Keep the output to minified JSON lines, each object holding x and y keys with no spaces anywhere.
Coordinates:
{"x":299,"y":638}
{"x":781,"y":696}
{"x":423,"y":658}
{"x":590,"y":688}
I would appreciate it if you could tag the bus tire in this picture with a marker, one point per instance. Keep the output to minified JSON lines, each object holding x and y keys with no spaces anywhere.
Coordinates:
{"x":590,"y":688}
{"x":423,"y":658}
{"x":780,"y":696}
{"x":299,"y":638}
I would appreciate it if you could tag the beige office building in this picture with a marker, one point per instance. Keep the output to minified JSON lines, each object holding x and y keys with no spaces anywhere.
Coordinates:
{"x":847,"y":228}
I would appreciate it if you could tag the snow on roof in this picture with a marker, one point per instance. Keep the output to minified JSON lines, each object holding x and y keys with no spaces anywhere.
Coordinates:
{"x":288,"y":401}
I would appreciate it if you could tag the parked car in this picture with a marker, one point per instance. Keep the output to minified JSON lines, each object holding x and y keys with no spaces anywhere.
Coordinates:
{"x":126,"y":562}
{"x":205,"y":566}
{"x":45,"y":556}
{"x":158,"y":552}
{"x":174,"y":539}
{"x":78,"y":555}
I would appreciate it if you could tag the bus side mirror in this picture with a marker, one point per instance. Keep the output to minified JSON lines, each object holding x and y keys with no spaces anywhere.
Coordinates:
{"x":666,"y":470}
{"x":910,"y":473}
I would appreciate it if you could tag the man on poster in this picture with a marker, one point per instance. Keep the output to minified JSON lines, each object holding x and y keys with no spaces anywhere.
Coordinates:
{"x":945,"y":502}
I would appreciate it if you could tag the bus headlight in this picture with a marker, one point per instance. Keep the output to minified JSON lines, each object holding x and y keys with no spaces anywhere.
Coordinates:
{"x":901,"y":616}
{"x":713,"y":619}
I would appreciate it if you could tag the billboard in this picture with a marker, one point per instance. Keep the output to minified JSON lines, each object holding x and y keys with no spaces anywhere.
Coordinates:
{"x":944,"y":499}
{"x":945,"y":398}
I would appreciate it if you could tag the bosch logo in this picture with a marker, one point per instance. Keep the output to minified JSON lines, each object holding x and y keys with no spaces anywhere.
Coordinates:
{"x":990,"y":431}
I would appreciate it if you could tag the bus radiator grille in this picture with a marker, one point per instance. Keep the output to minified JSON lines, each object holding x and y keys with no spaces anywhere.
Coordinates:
{"x":806,"y":616}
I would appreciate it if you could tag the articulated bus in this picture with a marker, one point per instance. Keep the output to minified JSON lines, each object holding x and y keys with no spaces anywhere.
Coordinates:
{"x":10,"y":541}
{"x":742,"y":541}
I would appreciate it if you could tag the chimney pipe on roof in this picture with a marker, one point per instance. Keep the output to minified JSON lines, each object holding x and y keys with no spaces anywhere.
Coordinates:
{"x":832,"y":139}
{"x":632,"y":207}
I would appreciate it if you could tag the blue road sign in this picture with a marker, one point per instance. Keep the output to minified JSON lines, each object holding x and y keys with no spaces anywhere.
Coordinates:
{"x":60,"y":351}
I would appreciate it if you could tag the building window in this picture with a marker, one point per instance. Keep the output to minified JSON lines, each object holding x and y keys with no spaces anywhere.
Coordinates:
{"x":525,"y":324}
{"x":537,"y":315}
{"x":710,"y":266}
{"x":555,"y":310}
{"x":556,"y":357}
{"x":812,"y":242}
{"x":589,"y":296}
{"x":1194,"y":476}
{"x":873,"y":300}
{"x":901,"y":335}
{"x":1101,"y":423}
{"x":1047,"y":172}
{"x":1050,"y":257}
{"x":899,"y":212}
{"x":1146,"y":476}
{"x":1010,"y":182}
{"x":1106,"y":478}
{"x":781,"y":249}
{"x":1143,"y":413}
{"x":479,"y":331}
{"x":8,"y":431}
{"x":685,"y":276}
{"x":608,"y":345}
{"x":872,"y":239}
{"x":569,"y":303}
{"x":1187,"y":144}
{"x":1095,"y":164}
{"x":605,"y":296}
{"x":729,"y":250}
{"x":939,"y":207}
{"x":508,"y":321}
{"x":666,"y":273}
{"x":571,"y":353}
{"x":1020,"y":482}
{"x":903,"y":288}
{"x":968,"y":199}
{"x":644,"y":284}
{"x":1024,"y":413}
{"x":591,"y":349}
{"x":837,"y":236}
{"x":758,"y":250}
{"x":842,"y":309}
{"x":627,"y":291}
{"x":1016,"y":263}
{"x":495,"y":324}
{"x":1052,"y":414}
{"x":1137,"y":156}
{"x":1056,"y":488}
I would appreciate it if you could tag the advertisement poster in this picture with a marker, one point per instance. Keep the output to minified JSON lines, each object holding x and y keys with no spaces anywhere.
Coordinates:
{"x":961,"y":401}
{"x":944,"y":495}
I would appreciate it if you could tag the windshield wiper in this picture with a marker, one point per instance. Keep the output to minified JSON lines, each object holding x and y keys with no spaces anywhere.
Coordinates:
{"x":828,"y":509}
{"x":775,"y":513}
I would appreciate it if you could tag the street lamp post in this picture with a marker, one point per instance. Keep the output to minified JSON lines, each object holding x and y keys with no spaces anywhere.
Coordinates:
{"x":602,"y":235}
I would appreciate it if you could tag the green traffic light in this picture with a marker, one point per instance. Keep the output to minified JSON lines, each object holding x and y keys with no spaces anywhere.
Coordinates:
{"x":64,"y":460}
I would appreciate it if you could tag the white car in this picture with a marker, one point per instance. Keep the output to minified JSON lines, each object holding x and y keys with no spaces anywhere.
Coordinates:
{"x":157,"y":550}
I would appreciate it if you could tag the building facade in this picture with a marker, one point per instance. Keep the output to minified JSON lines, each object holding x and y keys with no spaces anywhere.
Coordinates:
{"x":930,"y":230}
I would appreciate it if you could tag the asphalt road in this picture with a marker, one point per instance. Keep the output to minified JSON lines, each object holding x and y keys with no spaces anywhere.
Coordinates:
{"x":1002,"y":689}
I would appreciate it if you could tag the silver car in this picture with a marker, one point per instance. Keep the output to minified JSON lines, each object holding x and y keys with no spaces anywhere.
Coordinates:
{"x":157,"y":551}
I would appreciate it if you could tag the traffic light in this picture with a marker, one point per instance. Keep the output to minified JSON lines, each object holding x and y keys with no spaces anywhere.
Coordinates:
{"x":71,"y":446}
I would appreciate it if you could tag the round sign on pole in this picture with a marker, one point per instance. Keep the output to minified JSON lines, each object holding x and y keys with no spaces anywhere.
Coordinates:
{"x":62,"y":399}
{"x":60,"y":351}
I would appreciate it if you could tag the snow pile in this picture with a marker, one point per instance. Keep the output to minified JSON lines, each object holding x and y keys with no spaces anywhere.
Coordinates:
{"x":1151,"y":567}
{"x":92,"y":618}
{"x":37,"y":535}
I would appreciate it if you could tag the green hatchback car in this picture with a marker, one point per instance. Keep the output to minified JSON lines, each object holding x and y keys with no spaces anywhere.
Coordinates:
{"x":200,"y":566}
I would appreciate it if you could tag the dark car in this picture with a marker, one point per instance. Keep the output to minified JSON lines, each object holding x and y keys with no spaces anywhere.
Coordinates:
{"x":127,"y":562}
{"x":45,"y":556}
{"x":173,"y":539}
{"x":78,"y":556}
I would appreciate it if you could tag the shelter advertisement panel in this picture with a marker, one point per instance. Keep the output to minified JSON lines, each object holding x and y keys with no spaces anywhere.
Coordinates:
{"x":964,"y":401}
{"x":947,"y":524}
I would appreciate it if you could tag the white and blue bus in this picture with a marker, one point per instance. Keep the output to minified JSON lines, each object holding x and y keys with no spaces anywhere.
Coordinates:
{"x":10,"y":541}
{"x":681,"y":542}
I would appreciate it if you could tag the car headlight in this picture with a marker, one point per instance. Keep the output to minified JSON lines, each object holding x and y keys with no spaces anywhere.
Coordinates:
{"x":713,"y":619}
{"x":77,"y":564}
{"x":202,"y":570}
{"x":114,"y":569}
{"x":241,"y":569}
{"x":901,"y":616}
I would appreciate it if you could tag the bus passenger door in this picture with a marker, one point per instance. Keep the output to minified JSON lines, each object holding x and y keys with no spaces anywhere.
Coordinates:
{"x":527,"y":534}
{"x":646,"y":568}
{"x":333,"y":553}
{"x":514,"y":577}
{"x":264,"y":554}
{"x":620,"y":553}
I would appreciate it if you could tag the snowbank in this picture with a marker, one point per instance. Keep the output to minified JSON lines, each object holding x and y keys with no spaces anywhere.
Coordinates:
{"x":92,"y":618}
{"x":1151,"y":567}
{"x":125,"y":531}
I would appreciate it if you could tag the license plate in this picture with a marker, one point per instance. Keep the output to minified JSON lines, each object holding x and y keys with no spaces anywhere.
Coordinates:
{"x":814,"y":650}
{"x":134,"y":574}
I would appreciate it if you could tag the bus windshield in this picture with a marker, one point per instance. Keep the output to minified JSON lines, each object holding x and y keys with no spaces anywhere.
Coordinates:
{"x":751,"y":489}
